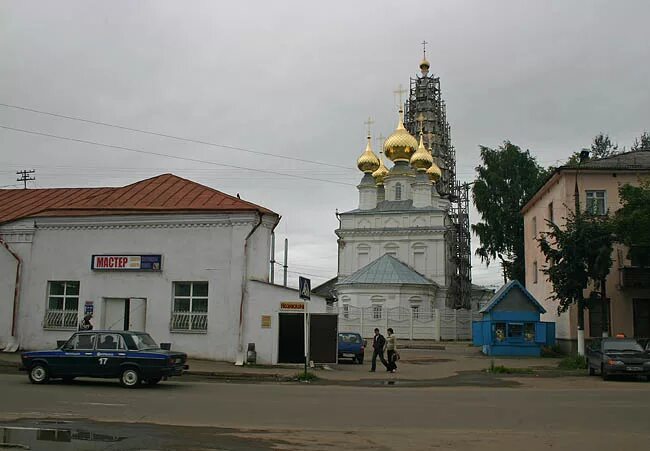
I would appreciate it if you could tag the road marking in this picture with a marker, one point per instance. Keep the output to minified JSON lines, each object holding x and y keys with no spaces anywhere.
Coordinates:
{"x":101,"y":404}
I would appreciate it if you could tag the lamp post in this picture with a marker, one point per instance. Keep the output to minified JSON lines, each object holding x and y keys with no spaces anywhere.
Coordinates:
{"x":584,"y":155}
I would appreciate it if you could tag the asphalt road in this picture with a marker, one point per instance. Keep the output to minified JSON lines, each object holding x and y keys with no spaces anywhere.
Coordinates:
{"x":289,"y":416}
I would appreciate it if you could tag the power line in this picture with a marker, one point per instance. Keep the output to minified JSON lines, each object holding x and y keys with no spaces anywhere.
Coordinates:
{"x":147,"y":152}
{"x":178,"y":138}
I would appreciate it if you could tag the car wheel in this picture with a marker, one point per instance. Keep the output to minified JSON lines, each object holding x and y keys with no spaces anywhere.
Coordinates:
{"x":153,"y":380}
{"x":590,"y":368}
{"x":130,"y":378}
{"x":603,"y":373}
{"x":39,"y":374}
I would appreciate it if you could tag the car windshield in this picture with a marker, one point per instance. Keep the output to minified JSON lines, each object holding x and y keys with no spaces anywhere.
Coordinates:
{"x":622,"y":346}
{"x":144,"y":341}
{"x":350,"y":338}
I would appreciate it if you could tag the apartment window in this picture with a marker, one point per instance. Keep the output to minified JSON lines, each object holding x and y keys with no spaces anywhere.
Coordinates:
{"x":377,"y":311}
{"x":62,"y":305}
{"x":398,"y":191}
{"x":535,"y":271}
{"x":596,"y":202}
{"x":534,"y":226}
{"x":190,"y":307}
{"x":550,"y":212}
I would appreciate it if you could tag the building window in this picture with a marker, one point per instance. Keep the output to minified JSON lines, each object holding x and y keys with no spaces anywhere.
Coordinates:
{"x":346,"y":311}
{"x":377,"y":311}
{"x":550,"y":212}
{"x":62,"y":305}
{"x":535,"y":271}
{"x":534,"y":225}
{"x":391,"y":249}
{"x":415,"y":311}
{"x":398,"y":191}
{"x":363,"y":255}
{"x":596,"y":204}
{"x":190,"y":307}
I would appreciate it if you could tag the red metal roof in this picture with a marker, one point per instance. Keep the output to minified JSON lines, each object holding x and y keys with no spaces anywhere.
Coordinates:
{"x":165,"y":193}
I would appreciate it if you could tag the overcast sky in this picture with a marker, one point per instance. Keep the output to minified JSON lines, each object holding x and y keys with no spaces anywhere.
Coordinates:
{"x":299,"y":79}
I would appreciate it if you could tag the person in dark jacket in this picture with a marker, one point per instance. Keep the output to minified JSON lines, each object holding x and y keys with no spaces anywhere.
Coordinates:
{"x":378,"y":344}
{"x":85,"y":323}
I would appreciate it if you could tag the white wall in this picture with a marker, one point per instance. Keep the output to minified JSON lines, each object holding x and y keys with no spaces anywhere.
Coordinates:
{"x":194,"y":248}
{"x":7,"y":282}
{"x":265,"y":299}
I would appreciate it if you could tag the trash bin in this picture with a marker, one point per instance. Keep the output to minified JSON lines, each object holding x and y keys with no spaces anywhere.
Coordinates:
{"x":166,"y":346}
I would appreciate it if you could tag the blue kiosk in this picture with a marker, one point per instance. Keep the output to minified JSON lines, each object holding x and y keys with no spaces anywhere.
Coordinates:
{"x":511,"y":325}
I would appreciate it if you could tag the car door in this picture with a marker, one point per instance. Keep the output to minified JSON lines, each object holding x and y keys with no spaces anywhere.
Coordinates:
{"x":110,"y":353}
{"x":78,"y":356}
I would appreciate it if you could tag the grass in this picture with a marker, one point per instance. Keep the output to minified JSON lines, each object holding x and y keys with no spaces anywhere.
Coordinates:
{"x":305,"y":377}
{"x":500,"y":369}
{"x":573,"y":362}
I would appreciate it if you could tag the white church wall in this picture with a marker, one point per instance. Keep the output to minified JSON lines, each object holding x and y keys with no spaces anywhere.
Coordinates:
{"x":8,"y":266}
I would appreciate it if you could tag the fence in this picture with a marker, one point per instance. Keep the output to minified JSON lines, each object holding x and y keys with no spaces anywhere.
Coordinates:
{"x":408,"y":324}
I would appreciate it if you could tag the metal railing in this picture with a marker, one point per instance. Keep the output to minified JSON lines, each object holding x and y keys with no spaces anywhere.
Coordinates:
{"x":61,"y":319}
{"x":188,"y":321}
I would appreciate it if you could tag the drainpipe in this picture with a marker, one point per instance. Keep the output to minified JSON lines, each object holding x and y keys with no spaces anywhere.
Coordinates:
{"x":14,"y":313}
{"x":272,"y":262}
{"x":244,"y":292}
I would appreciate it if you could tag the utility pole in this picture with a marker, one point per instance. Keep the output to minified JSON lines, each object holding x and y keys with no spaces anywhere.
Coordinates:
{"x":24,"y":176}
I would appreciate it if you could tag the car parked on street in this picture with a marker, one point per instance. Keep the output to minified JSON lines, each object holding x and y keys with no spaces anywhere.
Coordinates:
{"x":351,"y":346}
{"x":618,"y":356}
{"x":133,"y":357}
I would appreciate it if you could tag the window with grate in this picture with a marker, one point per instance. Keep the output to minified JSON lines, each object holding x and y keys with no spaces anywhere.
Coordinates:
{"x":190,"y":307}
{"x":62,"y":310}
{"x":596,"y":203}
{"x":398,"y":191}
{"x":377,"y":310}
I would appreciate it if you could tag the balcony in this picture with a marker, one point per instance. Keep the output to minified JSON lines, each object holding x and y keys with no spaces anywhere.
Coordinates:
{"x":635,"y":277}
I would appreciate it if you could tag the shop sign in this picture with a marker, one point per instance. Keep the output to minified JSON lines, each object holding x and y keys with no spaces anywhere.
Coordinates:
{"x":292,"y":305}
{"x":126,"y":262}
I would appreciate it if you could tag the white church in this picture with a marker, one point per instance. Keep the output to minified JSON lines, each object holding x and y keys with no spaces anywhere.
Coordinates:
{"x":395,"y":250}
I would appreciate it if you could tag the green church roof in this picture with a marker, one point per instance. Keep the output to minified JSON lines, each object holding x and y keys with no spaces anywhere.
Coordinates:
{"x":386,"y":270}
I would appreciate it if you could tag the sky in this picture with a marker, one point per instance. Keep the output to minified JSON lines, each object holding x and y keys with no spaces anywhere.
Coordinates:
{"x":298,"y":80}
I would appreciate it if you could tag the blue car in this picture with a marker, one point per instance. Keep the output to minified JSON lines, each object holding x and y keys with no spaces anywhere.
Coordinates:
{"x":133,"y":357}
{"x":351,"y":346}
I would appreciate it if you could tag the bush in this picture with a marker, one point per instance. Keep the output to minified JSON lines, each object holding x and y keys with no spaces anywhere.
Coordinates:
{"x":306,"y":377}
{"x":574,"y":362}
{"x":552,"y":351}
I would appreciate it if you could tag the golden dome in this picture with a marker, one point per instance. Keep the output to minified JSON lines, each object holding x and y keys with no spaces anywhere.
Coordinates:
{"x":381,"y":172}
{"x":424,"y":65}
{"x":368,"y":161}
{"x":401,"y":144}
{"x":434,"y":172}
{"x":421,"y":159}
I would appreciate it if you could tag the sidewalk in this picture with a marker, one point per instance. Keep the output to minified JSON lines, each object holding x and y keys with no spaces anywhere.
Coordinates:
{"x":428,"y":363}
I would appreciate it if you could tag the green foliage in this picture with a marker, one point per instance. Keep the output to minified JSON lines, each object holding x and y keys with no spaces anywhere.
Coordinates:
{"x":601,"y":147}
{"x":632,"y":221}
{"x":306,"y":377}
{"x":642,"y":142}
{"x":576,"y":254}
{"x":573,"y":362}
{"x":506,"y":179}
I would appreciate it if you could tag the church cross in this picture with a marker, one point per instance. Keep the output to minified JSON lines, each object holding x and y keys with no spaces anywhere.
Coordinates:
{"x":424,"y":48}
{"x":400,"y":91}
{"x":368,"y":123}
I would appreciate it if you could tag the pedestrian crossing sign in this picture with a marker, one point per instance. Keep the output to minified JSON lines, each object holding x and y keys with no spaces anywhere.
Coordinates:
{"x":304,"y":287}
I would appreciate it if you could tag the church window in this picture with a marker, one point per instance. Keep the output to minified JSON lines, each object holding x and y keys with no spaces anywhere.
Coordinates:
{"x":391,"y":249}
{"x":377,"y":311}
{"x":415,"y":311}
{"x":363,"y":255}
{"x":419,"y":258}
{"x":398,"y":191}
{"x":346,"y":311}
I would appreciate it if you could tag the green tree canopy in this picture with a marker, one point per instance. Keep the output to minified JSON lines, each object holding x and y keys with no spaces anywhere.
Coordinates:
{"x":632,"y":221}
{"x":506,"y":180}
{"x":642,"y":142}
{"x":601,"y":147}
{"x":576,"y":254}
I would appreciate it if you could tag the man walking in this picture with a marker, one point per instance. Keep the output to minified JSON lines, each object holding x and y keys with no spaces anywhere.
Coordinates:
{"x":378,"y":343}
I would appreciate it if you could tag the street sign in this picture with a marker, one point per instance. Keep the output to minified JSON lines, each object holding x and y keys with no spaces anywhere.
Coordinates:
{"x":304,"y":285}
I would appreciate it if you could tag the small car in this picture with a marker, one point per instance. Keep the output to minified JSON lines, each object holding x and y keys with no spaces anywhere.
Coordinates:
{"x":351,"y":346}
{"x":618,"y":356}
{"x":133,"y":357}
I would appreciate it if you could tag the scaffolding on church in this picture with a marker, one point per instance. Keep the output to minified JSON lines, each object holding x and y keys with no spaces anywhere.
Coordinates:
{"x":425,"y":110}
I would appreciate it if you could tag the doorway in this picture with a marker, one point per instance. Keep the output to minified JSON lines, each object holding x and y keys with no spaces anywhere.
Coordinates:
{"x":125,"y":314}
{"x":291,"y":343}
{"x":641,"y":318}
{"x":323,"y":337}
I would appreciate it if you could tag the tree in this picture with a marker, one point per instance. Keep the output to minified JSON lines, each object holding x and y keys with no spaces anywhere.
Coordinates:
{"x":506,"y":180}
{"x":601,"y":147}
{"x":642,"y":142}
{"x":632,"y":221}
{"x":578,"y":254}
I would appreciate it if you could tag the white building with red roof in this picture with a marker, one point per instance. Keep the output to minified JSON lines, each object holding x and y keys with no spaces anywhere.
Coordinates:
{"x":180,"y":260}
